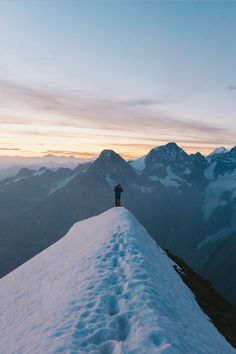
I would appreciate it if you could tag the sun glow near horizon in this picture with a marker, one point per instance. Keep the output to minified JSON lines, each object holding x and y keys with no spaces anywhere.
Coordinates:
{"x":75,"y":87}
{"x":86,"y":151}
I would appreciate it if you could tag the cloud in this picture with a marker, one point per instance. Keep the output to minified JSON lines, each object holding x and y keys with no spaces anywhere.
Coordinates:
{"x":45,"y":133}
{"x":14,"y":120}
{"x":80,"y":154}
{"x":66,"y":100}
{"x":230,"y":88}
{"x":141,"y":118}
{"x":143,"y":102}
{"x":9,"y":149}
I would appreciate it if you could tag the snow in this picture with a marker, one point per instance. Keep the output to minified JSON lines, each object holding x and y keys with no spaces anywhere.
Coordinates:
{"x":215,"y":190}
{"x":142,"y":189}
{"x":220,"y":150}
{"x":145,"y":189}
{"x":187,"y":171}
{"x":218,"y":236}
{"x":62,"y":184}
{"x":106,"y":287}
{"x":111,"y":181}
{"x":139,"y":164}
{"x":8,"y":172}
{"x":18,"y":179}
{"x":171,"y":180}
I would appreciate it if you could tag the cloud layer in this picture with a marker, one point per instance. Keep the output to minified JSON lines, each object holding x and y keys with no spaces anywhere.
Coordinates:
{"x":142,"y":122}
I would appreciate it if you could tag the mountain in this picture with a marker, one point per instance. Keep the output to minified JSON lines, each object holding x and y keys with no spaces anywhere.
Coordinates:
{"x":50,"y":161}
{"x":112,"y":167}
{"x":11,"y":165}
{"x":106,"y":287}
{"x":138,"y":164}
{"x":214,"y":255}
{"x":21,"y":235}
{"x":220,"y":150}
{"x":187,"y":203}
{"x":215,"y":260}
{"x":170,"y":165}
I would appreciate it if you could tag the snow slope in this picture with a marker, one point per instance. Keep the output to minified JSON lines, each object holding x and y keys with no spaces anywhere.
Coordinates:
{"x":170,"y":180}
{"x":106,"y":287}
{"x":139,"y":164}
{"x":216,"y":189}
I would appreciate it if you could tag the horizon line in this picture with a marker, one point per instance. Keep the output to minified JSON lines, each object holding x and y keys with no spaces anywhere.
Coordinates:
{"x":84,"y":155}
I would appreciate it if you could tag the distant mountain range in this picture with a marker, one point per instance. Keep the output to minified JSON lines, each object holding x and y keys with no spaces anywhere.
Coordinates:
{"x":187,"y":202}
{"x":10,"y":165}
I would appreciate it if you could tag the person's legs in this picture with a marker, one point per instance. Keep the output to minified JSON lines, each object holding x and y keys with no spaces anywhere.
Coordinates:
{"x":117,"y":201}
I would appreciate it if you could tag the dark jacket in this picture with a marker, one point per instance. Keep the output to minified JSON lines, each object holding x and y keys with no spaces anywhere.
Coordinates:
{"x":118,"y":190}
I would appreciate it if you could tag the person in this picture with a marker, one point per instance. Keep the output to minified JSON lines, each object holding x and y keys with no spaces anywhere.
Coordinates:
{"x":118,"y":190}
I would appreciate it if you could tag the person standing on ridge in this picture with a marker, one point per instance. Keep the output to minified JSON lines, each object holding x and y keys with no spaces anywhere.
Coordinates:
{"x":118,"y":190}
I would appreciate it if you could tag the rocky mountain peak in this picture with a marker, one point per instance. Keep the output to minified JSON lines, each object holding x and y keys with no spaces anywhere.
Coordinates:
{"x":108,"y":154}
{"x":111,"y":164}
{"x":217,"y":151}
{"x":168,"y":153}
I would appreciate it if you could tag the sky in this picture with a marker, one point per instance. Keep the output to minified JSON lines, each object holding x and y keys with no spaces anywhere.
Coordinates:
{"x":77,"y":77}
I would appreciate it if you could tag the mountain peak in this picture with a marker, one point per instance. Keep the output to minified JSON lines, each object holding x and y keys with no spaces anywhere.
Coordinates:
{"x":233,"y":150}
{"x":169,"y":149}
{"x":106,"y":153}
{"x":113,"y":167}
{"x":166,"y":154}
{"x":107,"y":157}
{"x":218,"y":151}
{"x":25,"y":172}
{"x":171,"y":144}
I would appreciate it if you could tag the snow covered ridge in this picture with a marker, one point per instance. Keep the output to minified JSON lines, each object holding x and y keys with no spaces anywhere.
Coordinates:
{"x":218,"y":151}
{"x":106,"y":287}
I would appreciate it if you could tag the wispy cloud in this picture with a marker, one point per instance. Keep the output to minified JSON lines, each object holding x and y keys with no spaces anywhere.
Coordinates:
{"x":80,"y":154}
{"x":230,"y":87}
{"x":66,"y":100}
{"x":9,"y":149}
{"x":141,"y":118}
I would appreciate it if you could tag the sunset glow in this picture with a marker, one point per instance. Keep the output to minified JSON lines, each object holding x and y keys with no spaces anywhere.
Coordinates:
{"x":102,"y":81}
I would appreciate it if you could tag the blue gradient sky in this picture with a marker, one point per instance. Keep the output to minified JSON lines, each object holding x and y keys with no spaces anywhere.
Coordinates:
{"x":80,"y":76}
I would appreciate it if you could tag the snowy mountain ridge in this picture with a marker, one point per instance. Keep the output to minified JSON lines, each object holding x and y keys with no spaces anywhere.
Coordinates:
{"x":106,"y":287}
{"x":219,"y":150}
